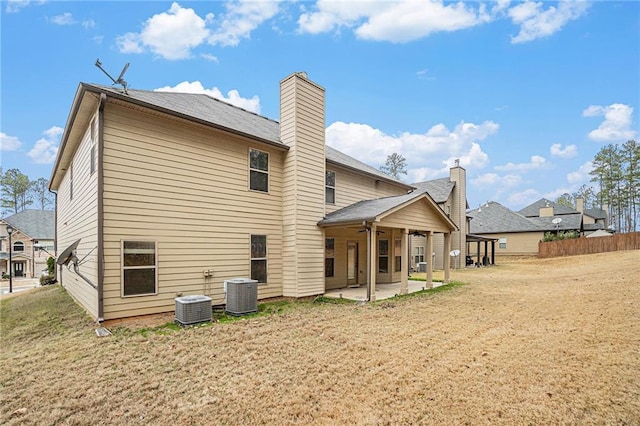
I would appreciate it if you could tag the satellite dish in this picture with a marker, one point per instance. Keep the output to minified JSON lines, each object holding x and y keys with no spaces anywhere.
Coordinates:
{"x":454,"y":253}
{"x":557,"y":220}
{"x":68,"y":254}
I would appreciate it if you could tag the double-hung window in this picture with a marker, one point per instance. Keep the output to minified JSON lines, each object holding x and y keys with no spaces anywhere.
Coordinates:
{"x":139,"y":268}
{"x":397,"y":252}
{"x":418,"y":255}
{"x":258,"y":170}
{"x":383,"y":256}
{"x":259,"y":258}
{"x":330,"y":188}
{"x":329,"y":257}
{"x":502,"y":243}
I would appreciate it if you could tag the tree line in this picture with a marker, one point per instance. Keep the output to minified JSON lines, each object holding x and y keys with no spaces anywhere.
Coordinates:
{"x":19,"y":193}
{"x":616,"y":174}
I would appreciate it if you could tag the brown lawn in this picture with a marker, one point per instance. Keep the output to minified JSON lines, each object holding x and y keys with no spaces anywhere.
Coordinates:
{"x":554,"y":341}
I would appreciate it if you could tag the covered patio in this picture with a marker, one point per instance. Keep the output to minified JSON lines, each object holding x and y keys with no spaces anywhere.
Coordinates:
{"x":383,"y":291}
{"x":367,"y":245}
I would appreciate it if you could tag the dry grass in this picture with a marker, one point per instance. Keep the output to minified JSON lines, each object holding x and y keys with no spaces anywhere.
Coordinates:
{"x":554,"y":341}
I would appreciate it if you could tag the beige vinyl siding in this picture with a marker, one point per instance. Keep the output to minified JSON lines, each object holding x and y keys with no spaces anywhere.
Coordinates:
{"x":518,"y":244}
{"x":352,"y":187}
{"x":78,"y":219}
{"x":302,"y":129}
{"x":418,"y":215}
{"x":186,"y":187}
{"x":458,"y":201}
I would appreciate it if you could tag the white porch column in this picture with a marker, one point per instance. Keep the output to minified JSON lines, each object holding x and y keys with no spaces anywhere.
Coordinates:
{"x":428,"y":256}
{"x":404,"y":281}
{"x":446,"y":257}
{"x":373,"y":270}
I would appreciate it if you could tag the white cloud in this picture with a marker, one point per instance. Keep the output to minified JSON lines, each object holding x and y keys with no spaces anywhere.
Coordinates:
{"x":495,"y":180}
{"x":89,"y":23}
{"x":581,"y":175}
{"x":233,"y":96}
{"x":398,"y":21}
{"x":241,"y":19}
{"x":616,"y":125}
{"x":170,"y":34}
{"x":536,"y":23}
{"x":424,"y":152}
{"x":45,"y":149}
{"x":209,"y":57}
{"x":537,"y":162}
{"x":63,"y":19}
{"x":568,"y":151}
{"x":9,"y":143}
{"x":14,"y":6}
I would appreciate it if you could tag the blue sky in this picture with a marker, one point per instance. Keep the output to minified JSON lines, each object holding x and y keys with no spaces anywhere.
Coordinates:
{"x":523,"y":93}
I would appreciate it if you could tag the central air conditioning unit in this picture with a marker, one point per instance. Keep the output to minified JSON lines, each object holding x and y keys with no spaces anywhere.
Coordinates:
{"x":422,"y":266}
{"x":242,"y":296}
{"x":193,"y":309}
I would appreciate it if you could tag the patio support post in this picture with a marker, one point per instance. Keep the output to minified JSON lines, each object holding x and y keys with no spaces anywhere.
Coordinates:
{"x":372,"y":262}
{"x":446,"y":257}
{"x":404,"y":280}
{"x":493,"y":252}
{"x":429,"y":255}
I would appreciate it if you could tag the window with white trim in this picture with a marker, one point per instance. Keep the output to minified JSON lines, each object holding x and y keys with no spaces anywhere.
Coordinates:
{"x":139,"y":268}
{"x":397,"y":252}
{"x":258,"y":170}
{"x":329,"y":257}
{"x":418,"y":255}
{"x":259,"y":258}
{"x":383,"y":256}
{"x":502,"y":243}
{"x":330,"y":187}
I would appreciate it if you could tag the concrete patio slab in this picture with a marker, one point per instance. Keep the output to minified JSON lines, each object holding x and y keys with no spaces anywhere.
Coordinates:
{"x":383,"y":291}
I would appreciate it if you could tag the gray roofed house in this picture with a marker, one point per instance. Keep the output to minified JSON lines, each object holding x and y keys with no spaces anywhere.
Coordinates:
{"x":567,"y":222}
{"x":439,"y":189}
{"x":494,"y":218}
{"x":29,"y":227}
{"x":533,"y":210}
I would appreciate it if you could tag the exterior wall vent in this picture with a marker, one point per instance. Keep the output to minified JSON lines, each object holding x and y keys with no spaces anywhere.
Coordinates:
{"x":193,"y":309}
{"x":242,"y":296}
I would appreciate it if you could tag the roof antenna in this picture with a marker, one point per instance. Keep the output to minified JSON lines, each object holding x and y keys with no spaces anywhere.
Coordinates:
{"x":120,"y":79}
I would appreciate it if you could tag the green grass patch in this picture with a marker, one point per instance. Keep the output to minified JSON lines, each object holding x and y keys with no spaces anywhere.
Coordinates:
{"x":333,"y":301}
{"x":452,"y":284}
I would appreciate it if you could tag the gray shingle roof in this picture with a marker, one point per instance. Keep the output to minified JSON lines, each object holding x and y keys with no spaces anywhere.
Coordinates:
{"x":38,"y":224}
{"x":569,"y":222}
{"x":204,"y":108}
{"x":533,"y":210}
{"x":494,"y":218}
{"x":439,"y":189}
{"x":596,"y":213}
{"x":368,"y":209}
{"x":221,"y":114}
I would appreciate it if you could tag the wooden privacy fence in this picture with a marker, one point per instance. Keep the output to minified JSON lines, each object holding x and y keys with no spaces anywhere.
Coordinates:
{"x":583,"y":245}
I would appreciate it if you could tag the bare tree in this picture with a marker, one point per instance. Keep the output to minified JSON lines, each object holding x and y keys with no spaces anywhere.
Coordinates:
{"x":41,"y":194}
{"x":395,"y":165}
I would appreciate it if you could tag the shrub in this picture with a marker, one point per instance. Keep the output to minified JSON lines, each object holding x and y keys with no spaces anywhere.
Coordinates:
{"x":51,"y":266}
{"x":561,"y":235}
{"x":47,"y":280}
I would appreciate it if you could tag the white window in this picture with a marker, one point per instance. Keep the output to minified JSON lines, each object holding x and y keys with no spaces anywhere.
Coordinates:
{"x":259,"y":258}
{"x":383,"y":256}
{"x":397,"y":252}
{"x":139,"y":268}
{"x":258,"y":170}
{"x":418,"y":254}
{"x":330,"y":187}
{"x":329,"y":257}
{"x":502,"y":243}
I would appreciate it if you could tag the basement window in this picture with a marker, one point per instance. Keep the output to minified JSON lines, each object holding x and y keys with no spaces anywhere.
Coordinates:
{"x":258,"y":170}
{"x":139,"y":268}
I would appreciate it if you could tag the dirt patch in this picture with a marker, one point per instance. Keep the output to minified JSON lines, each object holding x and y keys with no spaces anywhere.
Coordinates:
{"x":550,"y":341}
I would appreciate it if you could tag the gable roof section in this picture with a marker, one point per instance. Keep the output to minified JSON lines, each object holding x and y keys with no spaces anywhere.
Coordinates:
{"x":596,"y":213}
{"x":376,"y":209}
{"x":494,"y":218}
{"x":533,"y":210}
{"x":37,"y":224}
{"x":205,"y":110}
{"x":438,"y":189}
{"x":332,"y":155}
{"x":569,"y":222}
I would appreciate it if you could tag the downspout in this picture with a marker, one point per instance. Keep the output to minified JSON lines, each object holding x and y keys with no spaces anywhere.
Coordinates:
{"x":55,"y":236}
{"x":100,"y":252}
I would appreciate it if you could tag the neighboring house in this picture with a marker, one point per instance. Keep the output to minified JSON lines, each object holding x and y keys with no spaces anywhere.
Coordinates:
{"x":171,"y":194}
{"x":30,"y":227}
{"x":518,"y":233}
